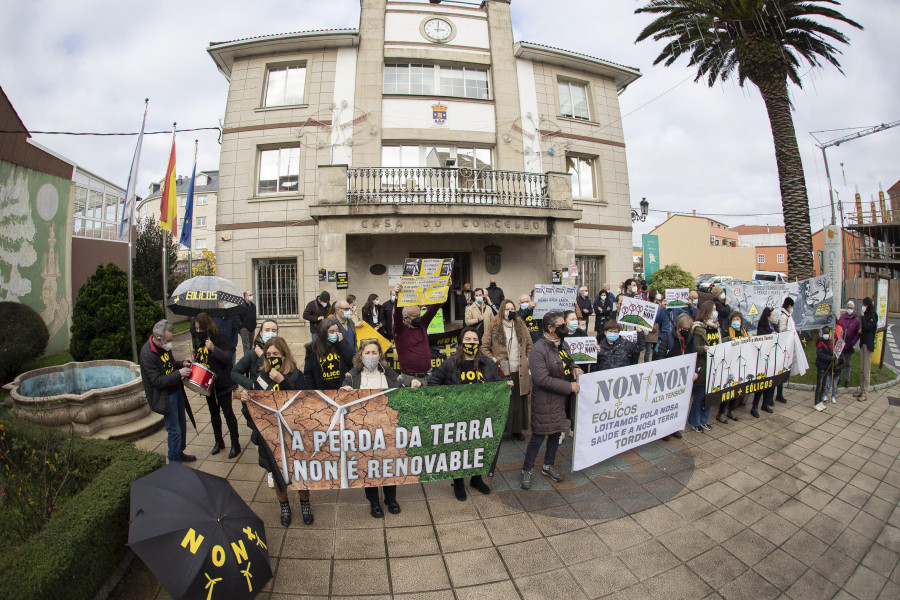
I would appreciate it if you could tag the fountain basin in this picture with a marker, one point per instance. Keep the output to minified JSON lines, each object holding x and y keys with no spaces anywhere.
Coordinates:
{"x":101,"y":399}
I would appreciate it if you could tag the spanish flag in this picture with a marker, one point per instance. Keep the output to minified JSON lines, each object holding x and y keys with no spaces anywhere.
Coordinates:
{"x":168,"y":202}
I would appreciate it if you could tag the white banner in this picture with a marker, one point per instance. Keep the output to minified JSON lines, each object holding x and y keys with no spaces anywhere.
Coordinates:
{"x":549,"y":298}
{"x":814,"y":302}
{"x":621,"y":409}
{"x":639,"y":313}
{"x":583,"y":350}
{"x":832,"y":261}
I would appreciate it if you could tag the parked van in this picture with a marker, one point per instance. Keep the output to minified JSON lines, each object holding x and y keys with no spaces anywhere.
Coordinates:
{"x":769,"y":277}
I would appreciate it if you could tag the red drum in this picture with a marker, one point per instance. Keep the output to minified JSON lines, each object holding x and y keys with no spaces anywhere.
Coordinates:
{"x":201,"y":379}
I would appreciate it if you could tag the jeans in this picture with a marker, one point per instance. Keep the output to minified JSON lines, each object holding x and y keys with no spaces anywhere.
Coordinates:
{"x":831,"y":383}
{"x":176,"y":427}
{"x":648,"y":352}
{"x":845,"y":370}
{"x":698,"y":415}
{"x":534,"y":446}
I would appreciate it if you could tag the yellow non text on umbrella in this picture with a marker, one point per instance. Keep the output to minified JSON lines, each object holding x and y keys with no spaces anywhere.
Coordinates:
{"x":193,"y":543}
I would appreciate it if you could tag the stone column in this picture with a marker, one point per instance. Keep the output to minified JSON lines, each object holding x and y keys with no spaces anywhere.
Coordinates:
{"x":370,"y":77}
{"x":559,"y":187}
{"x":505,"y":82}
{"x":331,"y":187}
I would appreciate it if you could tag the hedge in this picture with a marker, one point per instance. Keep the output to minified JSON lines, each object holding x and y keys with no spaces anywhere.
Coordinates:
{"x":77,"y":550}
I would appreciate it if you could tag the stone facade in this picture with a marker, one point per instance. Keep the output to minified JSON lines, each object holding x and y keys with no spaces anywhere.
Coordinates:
{"x":346,"y":211}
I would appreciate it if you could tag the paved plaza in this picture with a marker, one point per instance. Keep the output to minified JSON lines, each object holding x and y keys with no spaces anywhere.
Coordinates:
{"x":798,"y":504}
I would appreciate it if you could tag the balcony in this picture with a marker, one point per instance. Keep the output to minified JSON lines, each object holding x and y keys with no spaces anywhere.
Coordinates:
{"x":447,"y":186}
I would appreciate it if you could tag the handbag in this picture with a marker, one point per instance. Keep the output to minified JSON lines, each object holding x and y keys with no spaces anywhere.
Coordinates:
{"x":503,"y":369}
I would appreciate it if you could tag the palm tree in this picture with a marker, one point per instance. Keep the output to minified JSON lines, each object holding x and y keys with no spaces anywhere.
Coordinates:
{"x":764,"y":41}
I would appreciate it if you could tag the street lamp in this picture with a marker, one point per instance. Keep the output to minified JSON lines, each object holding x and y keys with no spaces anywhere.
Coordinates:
{"x":640,"y":216}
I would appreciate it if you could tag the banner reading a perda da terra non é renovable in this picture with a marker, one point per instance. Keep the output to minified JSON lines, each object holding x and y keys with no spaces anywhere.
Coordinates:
{"x":624,"y":408}
{"x":340,"y":439}
{"x":425,"y":281}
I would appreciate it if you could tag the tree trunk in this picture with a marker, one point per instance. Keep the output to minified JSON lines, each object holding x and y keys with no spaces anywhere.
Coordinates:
{"x":794,"y":200}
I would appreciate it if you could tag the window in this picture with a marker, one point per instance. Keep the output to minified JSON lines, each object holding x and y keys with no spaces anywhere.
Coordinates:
{"x":279,"y":170}
{"x":200,"y":221}
{"x":199,"y":243}
{"x":780,"y":259}
{"x":80,"y":211}
{"x":573,"y":100}
{"x":581,"y":170}
{"x":761,"y":258}
{"x":182,"y":201}
{"x":436,"y":156}
{"x":285,"y":85}
{"x":276,"y":287}
{"x":428,"y":80}
{"x":201,"y":200}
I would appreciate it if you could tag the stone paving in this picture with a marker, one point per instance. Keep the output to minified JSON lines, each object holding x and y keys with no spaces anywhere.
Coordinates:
{"x":797,"y":504}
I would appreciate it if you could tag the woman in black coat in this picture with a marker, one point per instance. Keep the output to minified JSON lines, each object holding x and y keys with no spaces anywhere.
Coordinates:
{"x":371,"y":313}
{"x":765,"y":326}
{"x":467,"y":366}
{"x":215,"y":351}
{"x":328,"y":357}
{"x":603,"y":311}
{"x":866,"y":347}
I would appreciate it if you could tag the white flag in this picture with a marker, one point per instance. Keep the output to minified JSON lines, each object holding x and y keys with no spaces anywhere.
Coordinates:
{"x":128,"y":212}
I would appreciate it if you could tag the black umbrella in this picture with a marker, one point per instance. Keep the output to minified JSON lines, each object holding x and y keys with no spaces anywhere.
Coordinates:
{"x":215,"y":296}
{"x":195,"y":533}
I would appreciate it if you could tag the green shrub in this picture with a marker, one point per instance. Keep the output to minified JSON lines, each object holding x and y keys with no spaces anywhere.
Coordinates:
{"x":100,"y":326}
{"x":671,"y":277}
{"x":23,"y":337}
{"x":74,"y":554}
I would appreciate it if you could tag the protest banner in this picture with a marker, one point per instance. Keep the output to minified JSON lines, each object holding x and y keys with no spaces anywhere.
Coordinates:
{"x":583,"y":350}
{"x":395,"y":272}
{"x":339,"y":439}
{"x":364,"y":331}
{"x":748,"y":365}
{"x":639,"y":313}
{"x":621,"y":409}
{"x":343,"y":280}
{"x":814,"y":301}
{"x":437,"y":323}
{"x":425,"y":281}
{"x":551,"y":297}
{"x":678,"y":297}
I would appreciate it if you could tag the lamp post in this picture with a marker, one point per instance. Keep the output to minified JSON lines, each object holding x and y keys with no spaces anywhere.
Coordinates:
{"x":640,"y":216}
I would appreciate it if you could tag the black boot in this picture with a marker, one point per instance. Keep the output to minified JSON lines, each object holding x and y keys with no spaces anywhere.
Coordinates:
{"x":306,"y":510}
{"x":220,"y":445}
{"x":459,"y":489}
{"x":285,"y":513}
{"x":235,"y":449}
{"x":478,"y":483}
{"x":732,"y":417}
{"x":721,"y":418}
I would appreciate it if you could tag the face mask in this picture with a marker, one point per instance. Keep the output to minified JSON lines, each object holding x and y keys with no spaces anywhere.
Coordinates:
{"x":393,"y":298}
{"x":416,"y":322}
{"x":275,"y":363}
{"x":722,"y":296}
{"x":849,"y":311}
{"x":584,"y":294}
{"x":634,"y":290}
{"x":370,"y":362}
{"x":824,"y":336}
{"x":333,"y":338}
{"x":523,"y":306}
{"x":324,"y":304}
{"x":251,"y":298}
{"x":602,"y":298}
{"x":865,"y":309}
{"x":572,"y":325}
{"x":685,"y":333}
{"x":561,"y":332}
{"x":471,"y":349}
{"x":267,"y":336}
{"x":348,"y":314}
{"x":510,"y":315}
{"x":479,"y":299}
{"x":715,"y":315}
{"x":735,"y":325}
{"x":611,"y":337}
{"x":695,"y":301}
{"x":166,"y":347}
{"x":377,"y":302}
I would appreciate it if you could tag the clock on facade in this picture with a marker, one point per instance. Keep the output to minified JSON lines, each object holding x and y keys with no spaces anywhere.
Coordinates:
{"x":437,"y":30}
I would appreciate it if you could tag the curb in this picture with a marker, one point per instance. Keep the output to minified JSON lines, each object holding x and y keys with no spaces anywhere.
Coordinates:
{"x":881,"y":386}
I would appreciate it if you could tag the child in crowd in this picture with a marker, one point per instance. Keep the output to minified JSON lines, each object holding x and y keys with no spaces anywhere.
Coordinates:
{"x":828,"y":370}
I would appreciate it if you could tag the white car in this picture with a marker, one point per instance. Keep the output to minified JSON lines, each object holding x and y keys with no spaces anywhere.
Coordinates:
{"x":718,"y":280}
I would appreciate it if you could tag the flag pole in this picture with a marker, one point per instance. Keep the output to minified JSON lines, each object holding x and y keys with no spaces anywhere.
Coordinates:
{"x":131,"y":224}
{"x":165,"y":243}
{"x":191,"y":246}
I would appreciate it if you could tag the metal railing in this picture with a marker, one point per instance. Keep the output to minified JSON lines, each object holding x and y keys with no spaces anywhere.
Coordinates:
{"x":429,"y":185}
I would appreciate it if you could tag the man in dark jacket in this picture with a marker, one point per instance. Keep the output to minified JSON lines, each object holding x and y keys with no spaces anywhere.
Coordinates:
{"x":162,"y":376}
{"x":585,"y":306}
{"x":553,"y":375}
{"x":248,"y":322}
{"x":526,"y":313}
{"x":387,"y":316}
{"x":495,"y":293}
{"x":315,"y":311}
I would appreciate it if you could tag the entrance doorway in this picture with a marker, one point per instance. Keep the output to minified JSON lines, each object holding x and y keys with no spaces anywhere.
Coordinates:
{"x":462,"y":272}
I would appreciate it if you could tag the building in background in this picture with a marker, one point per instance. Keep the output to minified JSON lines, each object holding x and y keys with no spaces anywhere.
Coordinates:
{"x":702,"y":245}
{"x":426,"y":132}
{"x":875,"y":244}
{"x":203,"y":231}
{"x":850,"y":270}
{"x":768,"y":242}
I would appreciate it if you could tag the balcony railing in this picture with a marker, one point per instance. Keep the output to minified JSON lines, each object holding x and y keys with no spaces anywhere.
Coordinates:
{"x":428,"y":185}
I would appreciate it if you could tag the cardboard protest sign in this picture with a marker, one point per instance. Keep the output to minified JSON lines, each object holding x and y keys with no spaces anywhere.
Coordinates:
{"x":364,"y":331}
{"x":550,"y":297}
{"x":391,"y":437}
{"x":678,"y":297}
{"x":748,"y":365}
{"x":425,"y":281}
{"x":639,"y":313}
{"x":628,"y":335}
{"x":621,"y":409}
{"x":437,"y":323}
{"x":582,"y":349}
{"x":814,"y":301}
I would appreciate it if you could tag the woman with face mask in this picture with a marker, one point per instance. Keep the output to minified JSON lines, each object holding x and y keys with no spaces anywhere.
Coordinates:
{"x":572,"y":325}
{"x":866,"y":347}
{"x":278,"y":371}
{"x":371,"y":313}
{"x":603,"y":310}
{"x":244,"y":372}
{"x":508,"y":343}
{"x":328,"y":357}
{"x":785,"y":323}
{"x":706,"y":333}
{"x":370,"y":372}
{"x":851,"y":327}
{"x":467,"y":366}
{"x":651,"y":338}
{"x":680,"y":342}
{"x":722,"y":308}
{"x":735,"y":331}
{"x":215,"y":351}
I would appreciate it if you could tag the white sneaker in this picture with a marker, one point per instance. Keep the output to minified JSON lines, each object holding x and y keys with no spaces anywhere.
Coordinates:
{"x":819,"y":407}
{"x":271,"y":480}
{"x":834,"y":399}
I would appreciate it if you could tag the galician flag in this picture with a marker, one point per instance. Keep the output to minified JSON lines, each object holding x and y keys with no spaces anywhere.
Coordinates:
{"x":168,"y":201}
{"x":185,"y":239}
{"x":128,"y":212}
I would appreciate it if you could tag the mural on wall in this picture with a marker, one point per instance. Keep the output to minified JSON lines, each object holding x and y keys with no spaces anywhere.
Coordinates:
{"x":536,"y":136}
{"x":344,"y":126}
{"x":33,"y":257}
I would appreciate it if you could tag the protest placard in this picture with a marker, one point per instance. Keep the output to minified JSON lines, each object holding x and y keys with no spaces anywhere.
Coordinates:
{"x":583,"y":350}
{"x":391,"y":437}
{"x":678,"y":297}
{"x":639,"y":313}
{"x":621,"y":409}
{"x":425,"y":281}
{"x":814,"y":301}
{"x":550,"y":297}
{"x":343,"y":280}
{"x":364,"y":331}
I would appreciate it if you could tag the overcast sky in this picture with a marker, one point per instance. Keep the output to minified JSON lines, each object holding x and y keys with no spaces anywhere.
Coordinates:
{"x":88,"y":65}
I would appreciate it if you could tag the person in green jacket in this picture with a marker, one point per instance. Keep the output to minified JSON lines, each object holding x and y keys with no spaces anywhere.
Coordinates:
{"x":245,"y":371}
